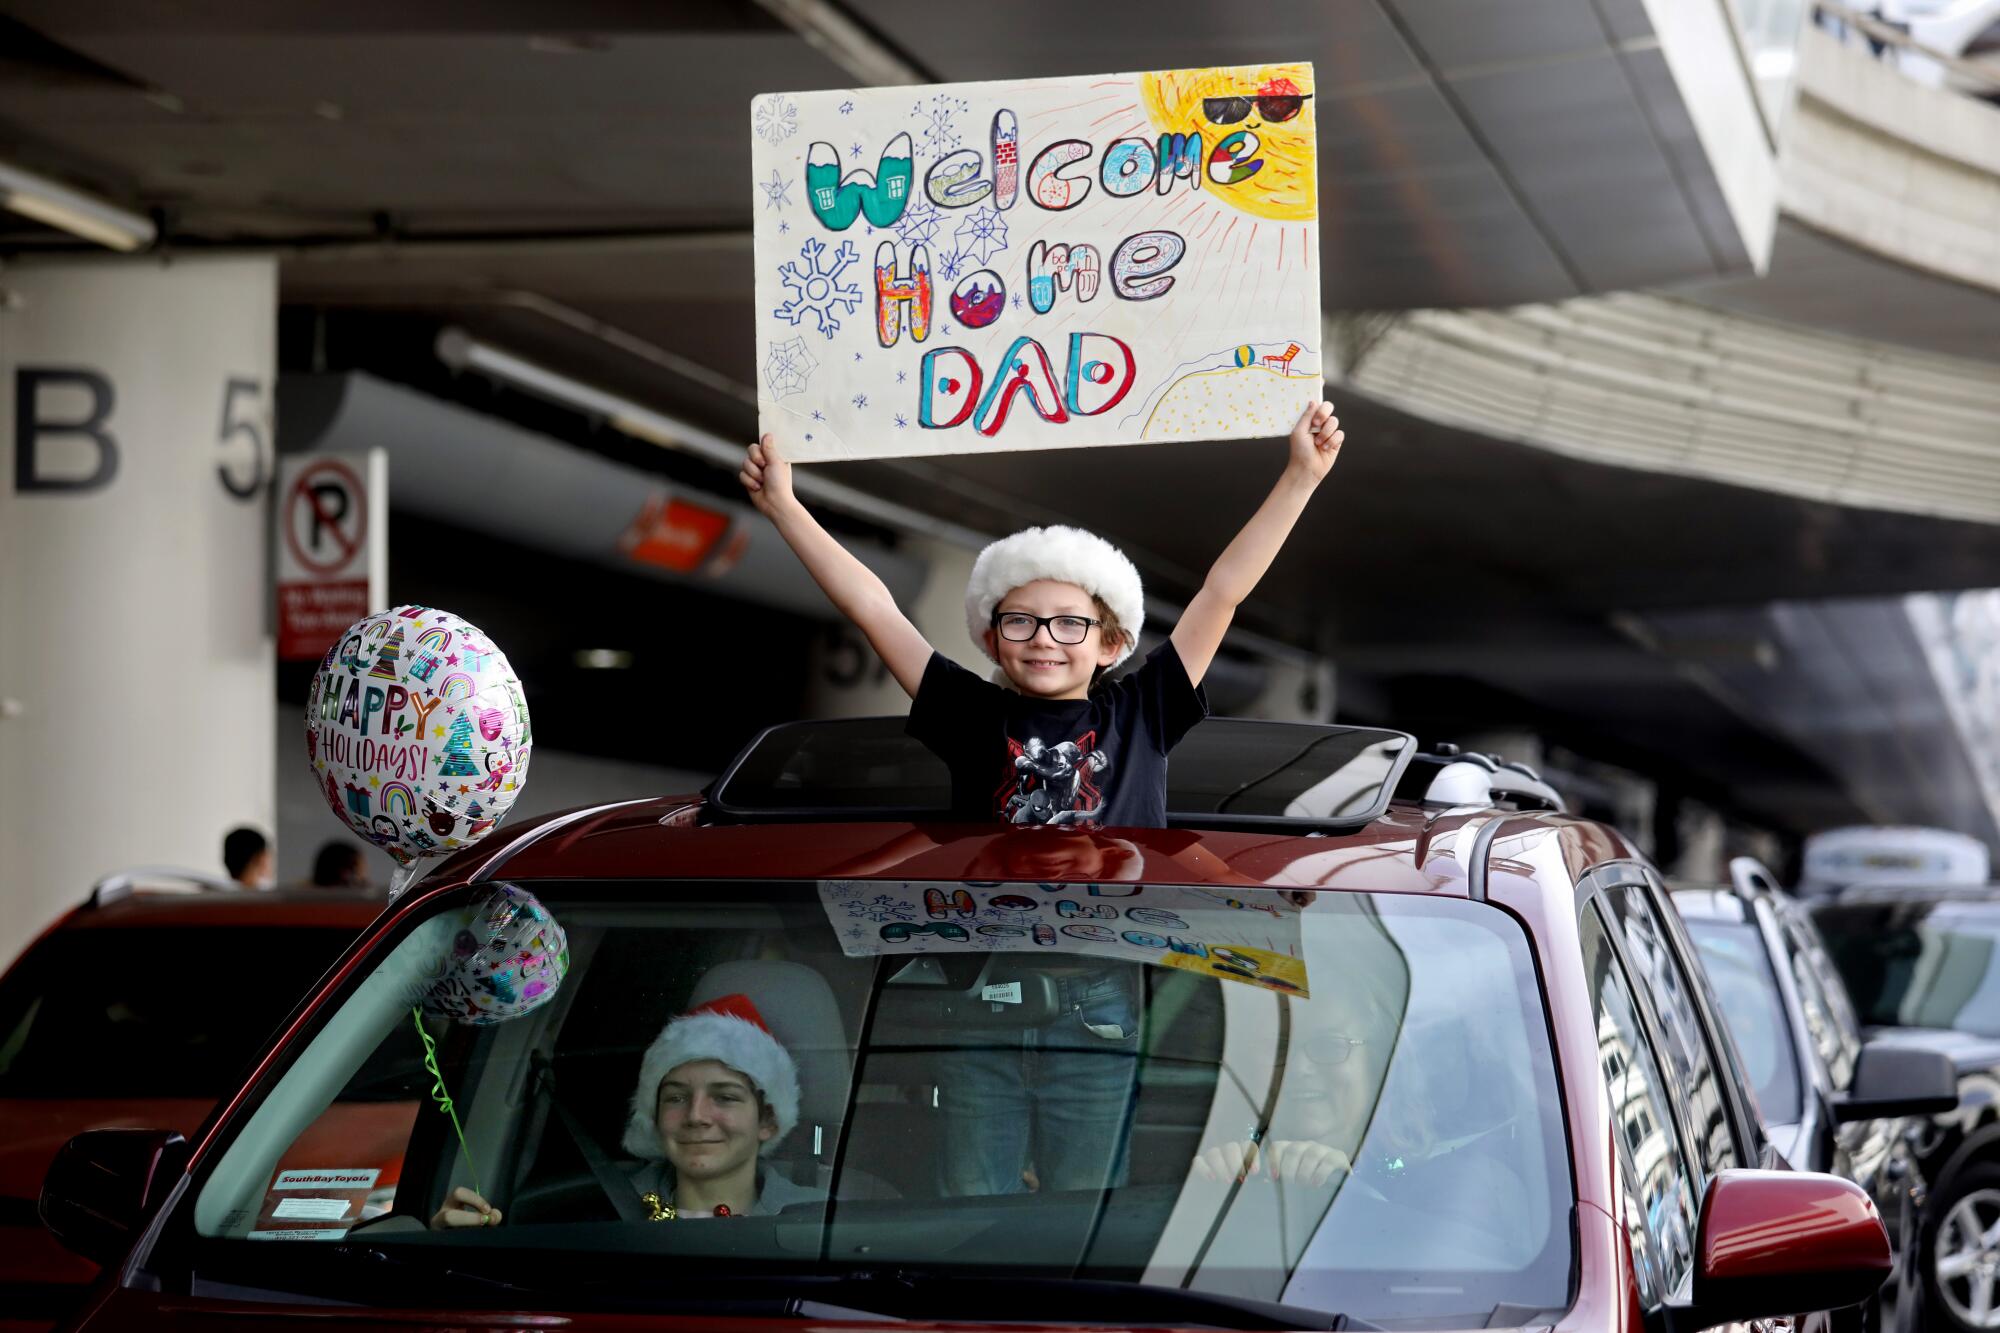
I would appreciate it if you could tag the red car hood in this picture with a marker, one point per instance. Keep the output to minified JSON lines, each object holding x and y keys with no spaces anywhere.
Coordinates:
{"x":149,"y":1313}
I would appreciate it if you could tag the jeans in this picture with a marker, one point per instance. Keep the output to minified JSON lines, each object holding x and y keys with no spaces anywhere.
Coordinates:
{"x":1058,"y":1096}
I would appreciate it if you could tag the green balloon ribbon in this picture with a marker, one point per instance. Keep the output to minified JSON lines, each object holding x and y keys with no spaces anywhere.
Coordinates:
{"x":443,"y":1097}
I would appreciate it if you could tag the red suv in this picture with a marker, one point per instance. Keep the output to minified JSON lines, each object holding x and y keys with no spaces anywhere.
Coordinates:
{"x":144,"y":1006}
{"x":1321,"y":1054}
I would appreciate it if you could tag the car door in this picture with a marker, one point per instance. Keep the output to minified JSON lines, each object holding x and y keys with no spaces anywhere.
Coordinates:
{"x":1870,"y":1152}
{"x":1683,"y":1114}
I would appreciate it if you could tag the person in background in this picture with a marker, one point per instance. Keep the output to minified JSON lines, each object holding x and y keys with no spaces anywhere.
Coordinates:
{"x":246,"y":855}
{"x":339,"y":865}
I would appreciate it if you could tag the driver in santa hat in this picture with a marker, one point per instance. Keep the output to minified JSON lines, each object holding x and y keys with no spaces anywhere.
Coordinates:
{"x":716,"y":1091}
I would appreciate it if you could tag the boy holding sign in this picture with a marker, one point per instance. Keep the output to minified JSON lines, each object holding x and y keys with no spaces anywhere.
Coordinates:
{"x":1056,"y":608}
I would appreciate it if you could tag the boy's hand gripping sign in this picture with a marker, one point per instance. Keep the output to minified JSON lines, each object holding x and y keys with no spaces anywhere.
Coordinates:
{"x":980,"y":266}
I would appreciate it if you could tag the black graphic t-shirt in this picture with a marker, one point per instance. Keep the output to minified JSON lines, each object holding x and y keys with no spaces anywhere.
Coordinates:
{"x":1101,"y":760}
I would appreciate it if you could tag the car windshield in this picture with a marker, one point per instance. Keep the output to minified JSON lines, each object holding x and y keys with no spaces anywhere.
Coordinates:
{"x":1739,"y":967}
{"x":1919,"y":964}
{"x":1225,"y":1101}
{"x":152,"y":1013}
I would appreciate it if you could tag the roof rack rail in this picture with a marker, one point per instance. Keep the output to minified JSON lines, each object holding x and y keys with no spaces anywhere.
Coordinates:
{"x":1466,"y":778}
{"x":1747,"y":875}
{"x":121,"y":884}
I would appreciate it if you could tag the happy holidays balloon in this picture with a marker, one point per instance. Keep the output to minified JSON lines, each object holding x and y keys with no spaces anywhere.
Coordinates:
{"x":417,"y":732}
{"x":506,"y":956}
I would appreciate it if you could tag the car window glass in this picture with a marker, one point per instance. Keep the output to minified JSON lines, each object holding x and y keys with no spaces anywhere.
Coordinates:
{"x":1739,"y":968}
{"x":1802,"y":937}
{"x":1919,"y":964}
{"x":1659,"y":1194}
{"x":1385,"y":1092}
{"x":1683,"y":1044}
{"x":1823,"y":1007}
{"x":152,"y":1012}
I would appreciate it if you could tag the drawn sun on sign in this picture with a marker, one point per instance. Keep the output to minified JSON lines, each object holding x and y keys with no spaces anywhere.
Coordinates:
{"x":1262,"y":116}
{"x":1257,"y":199}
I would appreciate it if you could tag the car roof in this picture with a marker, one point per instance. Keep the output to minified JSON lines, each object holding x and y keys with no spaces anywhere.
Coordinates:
{"x":346,"y":909}
{"x":1409,"y":848}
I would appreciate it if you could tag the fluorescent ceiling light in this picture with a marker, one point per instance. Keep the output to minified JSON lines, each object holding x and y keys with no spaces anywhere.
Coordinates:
{"x":461,"y":351}
{"x":603,"y":659}
{"x":73,"y":211}
{"x":848,"y":44}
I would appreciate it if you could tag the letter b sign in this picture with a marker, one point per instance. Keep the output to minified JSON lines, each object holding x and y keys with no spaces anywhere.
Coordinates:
{"x":34,"y":423}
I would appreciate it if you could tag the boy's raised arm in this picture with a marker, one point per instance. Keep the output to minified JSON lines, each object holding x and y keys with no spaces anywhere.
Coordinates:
{"x":1315,"y":444}
{"x":854,"y":589}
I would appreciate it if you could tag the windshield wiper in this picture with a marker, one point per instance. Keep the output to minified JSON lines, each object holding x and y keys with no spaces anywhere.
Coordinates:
{"x":907,"y":1294}
{"x":376,"y":1260}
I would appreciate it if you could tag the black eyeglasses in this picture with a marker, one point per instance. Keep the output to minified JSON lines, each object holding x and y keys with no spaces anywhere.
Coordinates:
{"x":1272,"y":107}
{"x":1019,"y":626}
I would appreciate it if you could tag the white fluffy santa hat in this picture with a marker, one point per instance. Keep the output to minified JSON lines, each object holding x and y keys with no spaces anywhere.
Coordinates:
{"x":728,"y":1030}
{"x":1067,"y":555}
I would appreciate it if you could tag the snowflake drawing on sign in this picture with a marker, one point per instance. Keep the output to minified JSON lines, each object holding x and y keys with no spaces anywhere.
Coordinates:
{"x":982,"y":234}
{"x":919,"y":223}
{"x":951,"y":265}
{"x":847,"y":108}
{"x":777,"y":190}
{"x":938,"y":116}
{"x":788,"y":367}
{"x":777,"y":118}
{"x":861,"y":400}
{"x":854,"y":150}
{"x":882,"y":909}
{"x":816,"y":287}
{"x":901,"y":421}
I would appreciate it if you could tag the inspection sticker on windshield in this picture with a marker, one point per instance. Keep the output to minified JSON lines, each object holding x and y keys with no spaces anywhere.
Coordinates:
{"x":315,"y":1210}
{"x":1010,"y":993}
{"x":303,"y":1233}
{"x":336,"y":1178}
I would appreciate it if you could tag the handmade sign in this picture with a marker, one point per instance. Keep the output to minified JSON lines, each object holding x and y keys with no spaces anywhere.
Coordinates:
{"x":965,"y":268}
{"x":1254,"y":940}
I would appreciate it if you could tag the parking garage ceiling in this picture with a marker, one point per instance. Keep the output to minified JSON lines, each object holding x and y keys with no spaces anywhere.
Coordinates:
{"x":569,"y":181}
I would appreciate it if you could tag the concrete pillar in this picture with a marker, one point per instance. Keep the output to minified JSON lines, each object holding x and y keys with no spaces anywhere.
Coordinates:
{"x":136,"y":660}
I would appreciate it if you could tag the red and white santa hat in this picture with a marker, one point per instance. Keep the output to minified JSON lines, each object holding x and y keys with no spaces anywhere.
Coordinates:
{"x":729,"y":1030}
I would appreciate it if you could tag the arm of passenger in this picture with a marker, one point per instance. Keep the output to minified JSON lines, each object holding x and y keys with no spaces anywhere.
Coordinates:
{"x":1315,"y":444}
{"x":855,"y":590}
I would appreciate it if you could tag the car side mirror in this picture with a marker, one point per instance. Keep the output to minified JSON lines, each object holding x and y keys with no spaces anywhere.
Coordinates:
{"x":1893,"y":1081}
{"x":105,"y":1183}
{"x":1776,"y":1243}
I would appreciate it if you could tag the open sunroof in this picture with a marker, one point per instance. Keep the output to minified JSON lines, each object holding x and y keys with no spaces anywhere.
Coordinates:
{"x":1227,"y":772}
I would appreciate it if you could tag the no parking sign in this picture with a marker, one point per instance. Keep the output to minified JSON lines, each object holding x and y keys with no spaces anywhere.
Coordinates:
{"x":333,"y":547}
